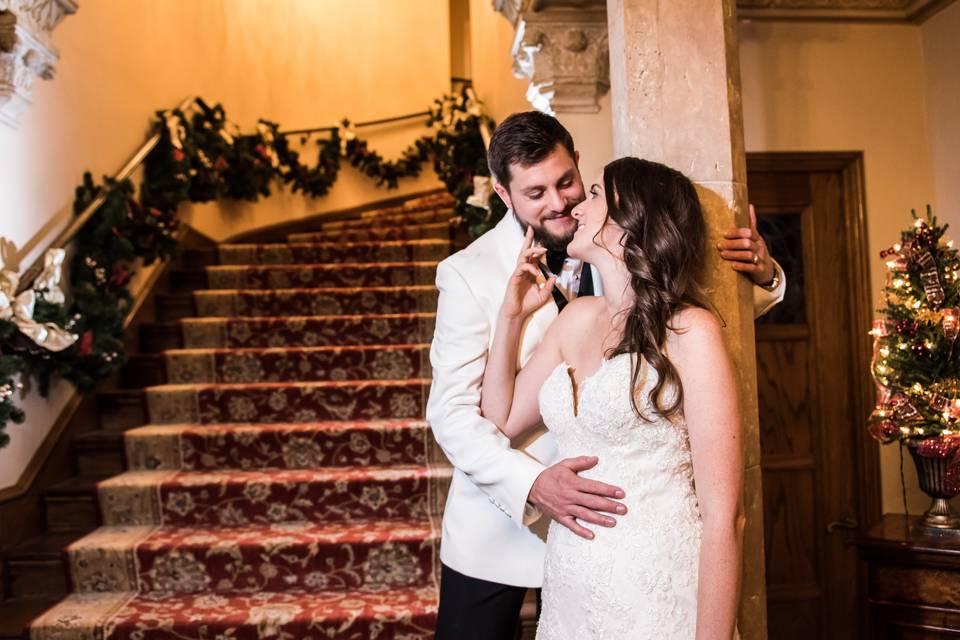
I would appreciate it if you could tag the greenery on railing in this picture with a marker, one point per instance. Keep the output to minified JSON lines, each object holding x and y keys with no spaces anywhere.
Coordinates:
{"x":201,"y":157}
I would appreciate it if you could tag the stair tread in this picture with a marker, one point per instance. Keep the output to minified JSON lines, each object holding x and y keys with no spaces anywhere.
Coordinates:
{"x":319,"y":384}
{"x":326,"y":317}
{"x":323,"y":425}
{"x":306,"y":608}
{"x":369,"y":531}
{"x":333,"y":243}
{"x":16,"y":614}
{"x":97,"y":438}
{"x":76,"y":485}
{"x":44,"y":546}
{"x":242,"y":476}
{"x":325,"y":265}
{"x":293,"y":290}
{"x":296,"y":349}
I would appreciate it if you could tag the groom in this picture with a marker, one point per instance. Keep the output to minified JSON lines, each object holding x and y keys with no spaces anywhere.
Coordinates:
{"x":489,"y":557}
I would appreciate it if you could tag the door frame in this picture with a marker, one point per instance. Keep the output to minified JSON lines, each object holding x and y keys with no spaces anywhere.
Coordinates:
{"x":849,"y":166}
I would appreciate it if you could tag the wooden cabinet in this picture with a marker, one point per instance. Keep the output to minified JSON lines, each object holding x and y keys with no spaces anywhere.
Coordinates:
{"x":912,"y":582}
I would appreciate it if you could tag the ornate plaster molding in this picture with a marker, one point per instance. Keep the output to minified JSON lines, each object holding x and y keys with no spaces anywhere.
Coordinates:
{"x":561,"y":46}
{"x":27,"y":51}
{"x":853,"y":10}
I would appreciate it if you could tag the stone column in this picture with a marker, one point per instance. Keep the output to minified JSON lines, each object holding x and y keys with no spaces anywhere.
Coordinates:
{"x":675,"y":95}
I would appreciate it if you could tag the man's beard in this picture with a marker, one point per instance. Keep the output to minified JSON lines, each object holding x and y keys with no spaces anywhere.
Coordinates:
{"x":546,"y":239}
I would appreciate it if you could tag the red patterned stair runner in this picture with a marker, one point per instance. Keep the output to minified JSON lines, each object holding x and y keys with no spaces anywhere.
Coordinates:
{"x":286,"y":486}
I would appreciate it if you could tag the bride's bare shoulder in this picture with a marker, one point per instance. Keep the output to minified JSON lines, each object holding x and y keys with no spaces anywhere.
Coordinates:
{"x":581,"y":310}
{"x":694,"y":329}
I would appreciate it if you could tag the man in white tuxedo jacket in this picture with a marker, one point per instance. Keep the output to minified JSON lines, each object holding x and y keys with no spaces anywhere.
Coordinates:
{"x":489,"y":555}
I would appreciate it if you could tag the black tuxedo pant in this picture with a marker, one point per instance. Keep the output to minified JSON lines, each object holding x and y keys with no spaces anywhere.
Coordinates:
{"x":474,"y":609}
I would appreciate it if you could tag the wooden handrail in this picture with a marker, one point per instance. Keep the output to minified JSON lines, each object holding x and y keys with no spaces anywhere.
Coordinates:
{"x":358,"y":125}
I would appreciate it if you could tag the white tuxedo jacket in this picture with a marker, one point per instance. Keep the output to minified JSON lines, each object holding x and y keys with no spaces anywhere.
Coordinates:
{"x":484,"y":523}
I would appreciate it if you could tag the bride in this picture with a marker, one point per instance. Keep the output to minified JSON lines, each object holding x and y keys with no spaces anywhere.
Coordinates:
{"x":640,"y":378}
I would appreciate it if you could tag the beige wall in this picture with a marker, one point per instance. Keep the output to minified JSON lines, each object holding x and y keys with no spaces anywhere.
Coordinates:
{"x":941,"y":51}
{"x":300,"y":62}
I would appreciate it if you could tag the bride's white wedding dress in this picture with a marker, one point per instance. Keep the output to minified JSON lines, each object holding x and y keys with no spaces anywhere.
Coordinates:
{"x":637,"y":580}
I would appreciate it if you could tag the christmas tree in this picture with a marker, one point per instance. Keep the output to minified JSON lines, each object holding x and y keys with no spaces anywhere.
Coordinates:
{"x":916,"y":363}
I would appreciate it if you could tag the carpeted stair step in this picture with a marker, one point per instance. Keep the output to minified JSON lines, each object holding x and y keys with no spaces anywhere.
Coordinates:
{"x":315,"y":302}
{"x":308,"y":331}
{"x":436,"y":230}
{"x":292,"y":364}
{"x":390,"y":220}
{"x":309,"y":445}
{"x":315,"y":252}
{"x":372,"y":274}
{"x":398,"y":614}
{"x":170,"y":560}
{"x":227,"y":497}
{"x":287,"y":401}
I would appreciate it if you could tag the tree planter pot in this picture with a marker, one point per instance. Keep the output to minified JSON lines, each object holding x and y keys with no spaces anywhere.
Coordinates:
{"x":939,"y":519}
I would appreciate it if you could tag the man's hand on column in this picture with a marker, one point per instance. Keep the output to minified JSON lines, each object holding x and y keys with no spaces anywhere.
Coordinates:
{"x":566,"y":497}
{"x":747,"y":252}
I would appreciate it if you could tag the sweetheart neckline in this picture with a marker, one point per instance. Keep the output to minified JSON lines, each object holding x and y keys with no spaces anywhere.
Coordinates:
{"x":577,"y":388}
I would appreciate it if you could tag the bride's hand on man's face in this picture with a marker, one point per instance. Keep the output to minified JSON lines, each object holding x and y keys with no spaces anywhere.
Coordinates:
{"x":527,"y":289}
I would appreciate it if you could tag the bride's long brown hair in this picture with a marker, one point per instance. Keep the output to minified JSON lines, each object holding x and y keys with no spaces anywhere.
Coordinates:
{"x":663,"y":248}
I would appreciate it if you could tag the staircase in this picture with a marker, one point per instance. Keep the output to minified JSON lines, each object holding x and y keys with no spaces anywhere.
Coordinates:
{"x":279,"y":481}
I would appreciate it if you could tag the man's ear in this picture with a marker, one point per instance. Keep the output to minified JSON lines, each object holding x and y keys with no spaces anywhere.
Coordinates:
{"x":503,"y":193}
{"x":576,"y":158}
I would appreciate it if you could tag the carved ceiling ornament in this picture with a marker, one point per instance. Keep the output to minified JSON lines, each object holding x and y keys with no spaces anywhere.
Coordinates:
{"x":26,"y":50}
{"x":561,"y":45}
{"x":860,"y":10}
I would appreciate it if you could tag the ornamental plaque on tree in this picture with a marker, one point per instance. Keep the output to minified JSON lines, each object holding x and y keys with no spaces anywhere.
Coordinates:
{"x":916,"y":363}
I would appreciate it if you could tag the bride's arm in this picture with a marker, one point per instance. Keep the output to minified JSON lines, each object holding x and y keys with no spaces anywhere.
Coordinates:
{"x":509,"y":399}
{"x":712,"y":413}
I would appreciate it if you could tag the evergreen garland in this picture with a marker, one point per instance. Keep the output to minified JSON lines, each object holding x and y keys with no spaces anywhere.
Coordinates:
{"x":11,"y":366}
{"x":200,"y":158}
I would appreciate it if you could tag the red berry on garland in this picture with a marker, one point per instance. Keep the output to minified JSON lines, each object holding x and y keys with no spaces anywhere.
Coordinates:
{"x":85,"y":346}
{"x":177,"y":155}
{"x":220,"y":164}
{"x":120,"y":276}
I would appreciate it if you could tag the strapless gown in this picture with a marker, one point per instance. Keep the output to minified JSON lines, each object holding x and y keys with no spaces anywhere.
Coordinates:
{"x":637,"y":580}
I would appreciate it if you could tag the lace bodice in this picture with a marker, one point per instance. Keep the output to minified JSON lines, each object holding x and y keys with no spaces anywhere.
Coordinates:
{"x":638,"y":579}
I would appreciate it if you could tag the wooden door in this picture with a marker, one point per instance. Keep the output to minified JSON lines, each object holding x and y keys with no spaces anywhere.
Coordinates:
{"x":820,"y":468}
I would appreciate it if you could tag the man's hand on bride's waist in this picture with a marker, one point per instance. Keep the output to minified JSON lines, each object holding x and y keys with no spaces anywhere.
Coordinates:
{"x":563,"y":495}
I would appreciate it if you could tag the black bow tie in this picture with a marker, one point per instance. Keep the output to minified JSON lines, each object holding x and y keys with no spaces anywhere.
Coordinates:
{"x":555,"y":260}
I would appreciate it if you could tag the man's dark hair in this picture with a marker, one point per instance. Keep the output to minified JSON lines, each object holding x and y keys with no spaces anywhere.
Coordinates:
{"x":525,"y":139}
